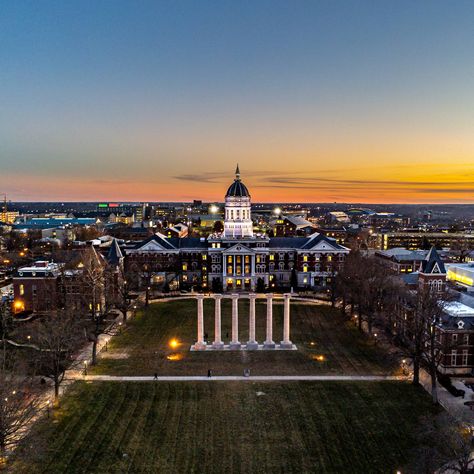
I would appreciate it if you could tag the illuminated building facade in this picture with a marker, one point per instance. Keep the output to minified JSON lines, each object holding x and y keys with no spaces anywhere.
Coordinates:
{"x":238,"y":258}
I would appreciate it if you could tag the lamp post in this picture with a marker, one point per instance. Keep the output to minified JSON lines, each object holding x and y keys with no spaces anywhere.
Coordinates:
{"x":147,"y":296}
{"x":85,"y":368}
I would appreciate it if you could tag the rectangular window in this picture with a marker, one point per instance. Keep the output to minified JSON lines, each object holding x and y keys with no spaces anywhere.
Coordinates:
{"x":455,"y":338}
{"x":22,"y":289}
{"x":185,"y":267}
{"x":229,"y":269}
{"x":453,"y":357}
{"x":272,"y":257}
{"x":247,"y":259}
{"x":204,"y":257}
{"x":465,"y":354}
{"x":466,"y":339}
{"x":305,"y":258}
{"x":229,"y":259}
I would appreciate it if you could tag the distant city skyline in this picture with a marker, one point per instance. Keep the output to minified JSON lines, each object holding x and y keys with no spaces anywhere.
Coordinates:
{"x":317,"y":101}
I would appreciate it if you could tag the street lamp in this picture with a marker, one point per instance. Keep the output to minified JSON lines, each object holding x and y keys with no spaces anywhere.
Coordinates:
{"x":85,"y":367}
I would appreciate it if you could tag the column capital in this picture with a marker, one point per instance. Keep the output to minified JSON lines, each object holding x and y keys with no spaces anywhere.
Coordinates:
{"x":269,"y":296}
{"x":252,"y":296}
{"x":287,"y":295}
{"x":199,"y":297}
{"x":217,"y":296}
{"x":235,"y":296}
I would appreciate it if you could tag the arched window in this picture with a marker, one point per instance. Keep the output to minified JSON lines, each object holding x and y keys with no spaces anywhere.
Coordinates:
{"x":281,"y":266}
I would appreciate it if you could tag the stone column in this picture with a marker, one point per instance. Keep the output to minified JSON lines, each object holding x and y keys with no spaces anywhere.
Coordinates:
{"x":252,"y":344}
{"x":234,"y":343}
{"x":200,"y":344}
{"x":217,"y":344}
{"x":269,"y":344}
{"x":286,"y":343}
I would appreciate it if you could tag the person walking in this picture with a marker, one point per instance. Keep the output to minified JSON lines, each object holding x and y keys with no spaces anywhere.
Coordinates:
{"x":209,"y":373}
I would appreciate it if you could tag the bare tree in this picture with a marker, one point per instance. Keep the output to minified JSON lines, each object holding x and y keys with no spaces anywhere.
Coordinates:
{"x":19,"y":404}
{"x":443,"y":446}
{"x":95,"y":304}
{"x":6,"y":327}
{"x":54,"y":342}
{"x":461,"y":249}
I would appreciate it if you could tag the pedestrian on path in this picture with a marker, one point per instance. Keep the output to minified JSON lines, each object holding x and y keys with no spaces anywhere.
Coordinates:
{"x":209,"y":373}
{"x":155,"y":377}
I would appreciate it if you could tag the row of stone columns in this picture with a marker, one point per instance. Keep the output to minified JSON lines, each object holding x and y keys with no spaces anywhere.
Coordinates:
{"x":235,"y":344}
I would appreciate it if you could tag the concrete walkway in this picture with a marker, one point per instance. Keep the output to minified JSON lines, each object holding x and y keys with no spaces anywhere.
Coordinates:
{"x":253,"y":378}
{"x":453,"y":405}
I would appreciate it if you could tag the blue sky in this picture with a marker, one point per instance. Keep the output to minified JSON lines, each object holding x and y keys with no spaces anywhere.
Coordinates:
{"x":138,"y":100}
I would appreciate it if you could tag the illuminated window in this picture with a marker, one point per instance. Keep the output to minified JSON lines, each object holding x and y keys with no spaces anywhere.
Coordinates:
{"x":22,"y":289}
{"x":272,"y":257}
{"x":305,"y":258}
{"x":229,"y":269}
{"x":204,"y":257}
{"x":329,"y":258}
{"x":185,"y":267}
{"x":229,"y":259}
{"x":247,"y":259}
{"x":258,"y":259}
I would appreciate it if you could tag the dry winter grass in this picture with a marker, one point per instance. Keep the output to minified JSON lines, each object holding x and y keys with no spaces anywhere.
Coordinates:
{"x":228,"y":427}
{"x":327,"y":344}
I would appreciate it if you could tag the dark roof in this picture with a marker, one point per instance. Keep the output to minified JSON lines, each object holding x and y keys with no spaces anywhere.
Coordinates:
{"x":237,"y":188}
{"x":433,"y":261}
{"x":164,"y":242}
{"x":115,"y":256}
{"x":410,"y":278}
{"x":303,"y":242}
{"x":189,"y":243}
{"x":287,"y":242}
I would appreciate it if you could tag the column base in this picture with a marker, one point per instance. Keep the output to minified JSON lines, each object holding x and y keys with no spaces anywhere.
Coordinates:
{"x":218,"y":345}
{"x":286,"y":345}
{"x":252,"y":346}
{"x":200,"y":346}
{"x":269,"y":345}
{"x":235,"y":346}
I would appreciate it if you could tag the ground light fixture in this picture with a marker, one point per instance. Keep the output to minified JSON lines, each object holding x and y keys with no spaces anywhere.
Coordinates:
{"x":173,"y":343}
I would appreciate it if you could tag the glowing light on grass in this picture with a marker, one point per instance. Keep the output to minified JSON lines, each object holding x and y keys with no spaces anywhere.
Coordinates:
{"x":174,"y":357}
{"x":319,"y":358}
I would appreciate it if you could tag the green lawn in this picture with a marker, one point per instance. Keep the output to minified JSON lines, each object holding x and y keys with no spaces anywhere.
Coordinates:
{"x":228,"y":427}
{"x":142,"y":349}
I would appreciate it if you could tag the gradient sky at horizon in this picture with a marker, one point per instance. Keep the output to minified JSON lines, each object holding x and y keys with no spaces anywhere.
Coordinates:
{"x":318,"y":101}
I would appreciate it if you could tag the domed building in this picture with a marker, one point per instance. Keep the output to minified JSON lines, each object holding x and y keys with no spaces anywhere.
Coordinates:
{"x":237,"y":215}
{"x":237,"y":259}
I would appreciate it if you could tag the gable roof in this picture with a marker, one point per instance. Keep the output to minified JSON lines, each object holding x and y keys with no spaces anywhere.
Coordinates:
{"x":433,"y":263}
{"x":158,"y":239}
{"x":314,"y":242}
{"x":320,"y":240}
{"x":115,"y":256}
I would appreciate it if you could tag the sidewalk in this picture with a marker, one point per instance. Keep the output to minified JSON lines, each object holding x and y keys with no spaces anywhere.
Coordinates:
{"x":453,"y":405}
{"x":252,"y":378}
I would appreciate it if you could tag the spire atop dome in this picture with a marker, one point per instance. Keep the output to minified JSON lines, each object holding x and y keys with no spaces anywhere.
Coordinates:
{"x":237,"y":172}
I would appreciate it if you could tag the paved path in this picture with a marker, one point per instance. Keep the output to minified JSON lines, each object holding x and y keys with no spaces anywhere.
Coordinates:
{"x":252,"y":378}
